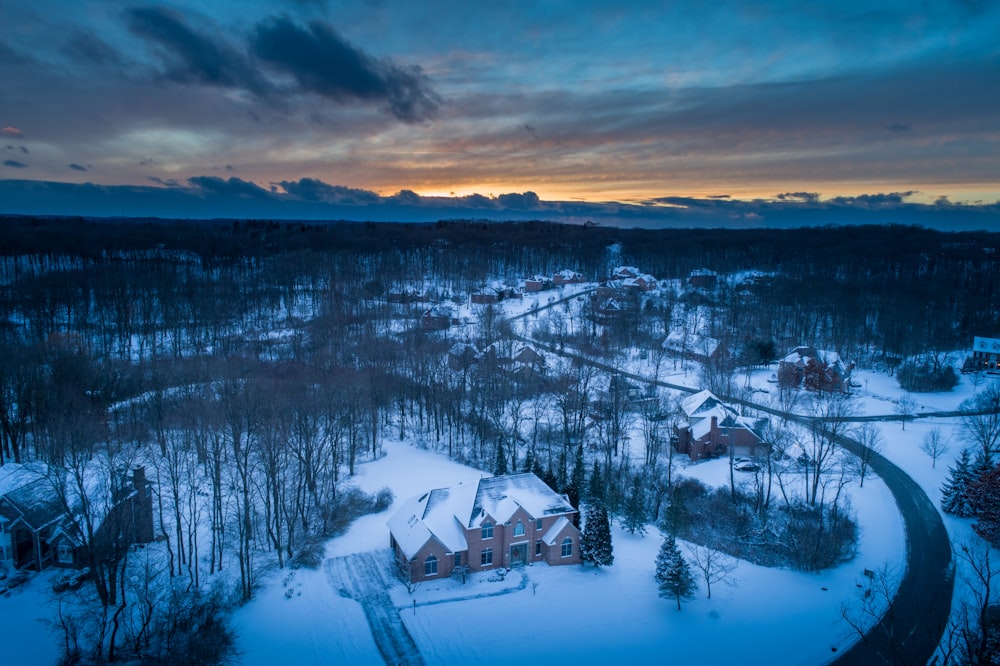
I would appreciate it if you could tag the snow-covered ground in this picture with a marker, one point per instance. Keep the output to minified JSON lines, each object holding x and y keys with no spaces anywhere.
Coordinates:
{"x":584,"y":614}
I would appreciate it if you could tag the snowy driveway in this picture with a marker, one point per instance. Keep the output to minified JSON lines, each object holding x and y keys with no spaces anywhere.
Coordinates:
{"x":366,"y":577}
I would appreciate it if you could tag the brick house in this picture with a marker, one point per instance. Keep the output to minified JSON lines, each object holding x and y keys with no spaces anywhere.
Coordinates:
{"x":710,"y":427}
{"x":36,"y":532}
{"x":703,"y":278}
{"x":500,"y":522}
{"x":804,"y":367}
{"x":537,"y":283}
{"x":985,"y":356}
{"x":567,"y":277}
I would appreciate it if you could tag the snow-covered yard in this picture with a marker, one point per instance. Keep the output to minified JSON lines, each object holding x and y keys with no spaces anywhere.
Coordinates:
{"x":579,"y":613}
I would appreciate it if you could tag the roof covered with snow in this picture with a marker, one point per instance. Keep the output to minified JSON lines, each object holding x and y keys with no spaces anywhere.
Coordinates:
{"x":445,"y":513}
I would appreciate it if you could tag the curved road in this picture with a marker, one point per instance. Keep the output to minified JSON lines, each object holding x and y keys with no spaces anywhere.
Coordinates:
{"x":910,"y":630}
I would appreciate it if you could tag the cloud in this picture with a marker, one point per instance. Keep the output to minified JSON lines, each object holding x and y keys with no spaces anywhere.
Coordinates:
{"x":78,"y":167}
{"x":525,"y":201}
{"x":193,"y":57}
{"x":11,"y":131}
{"x":808,"y":197}
{"x":9,"y":56}
{"x":169,"y":182}
{"x":236,"y":187}
{"x":310,"y":189}
{"x":324,"y":63}
{"x":85,"y":45}
{"x":880,"y":200}
{"x":14,"y":164}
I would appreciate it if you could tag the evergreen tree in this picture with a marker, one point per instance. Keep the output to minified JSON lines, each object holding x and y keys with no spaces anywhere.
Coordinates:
{"x":595,"y":545}
{"x":500,"y":463}
{"x":635,"y":507}
{"x":595,"y":492}
{"x":955,"y":491}
{"x":577,"y":480}
{"x":529,"y":460}
{"x":550,"y":480}
{"x":673,"y":574}
{"x":984,"y":496}
{"x":536,"y":467}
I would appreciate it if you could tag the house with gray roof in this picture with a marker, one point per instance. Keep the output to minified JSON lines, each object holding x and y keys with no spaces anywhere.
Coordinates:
{"x":500,"y":522}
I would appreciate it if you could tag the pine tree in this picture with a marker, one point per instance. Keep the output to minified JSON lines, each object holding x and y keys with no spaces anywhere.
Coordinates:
{"x":595,"y":545}
{"x":635,"y":507}
{"x":500,"y":463}
{"x":595,"y":492}
{"x":577,"y":480}
{"x":529,"y":460}
{"x":955,"y":491}
{"x":984,"y":496}
{"x":673,"y":574}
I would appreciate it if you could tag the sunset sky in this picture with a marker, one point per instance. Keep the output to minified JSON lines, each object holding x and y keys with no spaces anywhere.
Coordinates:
{"x":314,"y":106}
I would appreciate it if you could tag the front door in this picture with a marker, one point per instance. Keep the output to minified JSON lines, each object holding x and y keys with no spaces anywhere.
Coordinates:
{"x":519,"y":555}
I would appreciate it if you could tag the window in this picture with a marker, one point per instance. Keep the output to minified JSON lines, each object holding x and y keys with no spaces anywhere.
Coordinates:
{"x":487,"y":530}
{"x":65,"y":554}
{"x":567,"y":547}
{"x":458,"y":559}
{"x":431,"y":566}
{"x":486,"y":558}
{"x":519,"y":529}
{"x":538,"y":524}
{"x":538,"y":549}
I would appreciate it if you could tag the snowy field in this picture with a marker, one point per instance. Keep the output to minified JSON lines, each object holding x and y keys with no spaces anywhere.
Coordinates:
{"x":599,"y":614}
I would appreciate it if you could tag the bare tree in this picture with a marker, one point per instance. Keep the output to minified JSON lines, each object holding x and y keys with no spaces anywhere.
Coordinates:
{"x":714,"y":566}
{"x":870,"y":438}
{"x":934,"y":444}
{"x":906,"y":407}
{"x":982,"y":422}
{"x":872,"y":613}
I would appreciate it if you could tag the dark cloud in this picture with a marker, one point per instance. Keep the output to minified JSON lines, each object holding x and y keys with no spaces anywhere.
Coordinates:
{"x":193,"y":57}
{"x":525,"y":201}
{"x":24,"y":149}
{"x":898,"y":127}
{"x":9,"y":56}
{"x":210,"y":197}
{"x":310,"y":189}
{"x":406,"y":198}
{"x":324,"y":63}
{"x":236,"y":187}
{"x":889,"y":200}
{"x":77,"y":167}
{"x":169,"y":182}
{"x":809,"y":197}
{"x":14,"y":164}
{"x":88,"y":46}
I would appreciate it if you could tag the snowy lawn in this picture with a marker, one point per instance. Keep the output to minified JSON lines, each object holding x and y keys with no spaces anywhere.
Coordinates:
{"x":587,"y":615}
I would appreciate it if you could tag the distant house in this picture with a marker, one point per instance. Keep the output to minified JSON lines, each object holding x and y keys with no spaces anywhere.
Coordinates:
{"x":643,"y":282}
{"x":805,"y":367}
{"x":36,"y":532}
{"x":710,"y":428}
{"x":702,"y":278}
{"x":538,"y":283}
{"x":439,"y":317}
{"x":985,"y":356}
{"x":407,"y":296}
{"x":567,"y":277}
{"x":462,"y":356}
{"x":494,"y":293}
{"x":503,"y":521}
{"x":694,"y":347}
{"x":625,"y":272}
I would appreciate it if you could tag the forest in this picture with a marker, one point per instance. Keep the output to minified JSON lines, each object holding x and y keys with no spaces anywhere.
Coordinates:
{"x":251,"y":366}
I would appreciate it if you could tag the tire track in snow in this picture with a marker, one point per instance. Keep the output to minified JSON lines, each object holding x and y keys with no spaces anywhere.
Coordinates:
{"x":363,"y":577}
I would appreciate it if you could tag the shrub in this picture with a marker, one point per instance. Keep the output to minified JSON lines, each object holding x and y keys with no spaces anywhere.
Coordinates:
{"x":926,"y":378}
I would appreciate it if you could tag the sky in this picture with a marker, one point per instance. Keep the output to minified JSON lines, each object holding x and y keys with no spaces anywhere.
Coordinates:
{"x":647,"y":113}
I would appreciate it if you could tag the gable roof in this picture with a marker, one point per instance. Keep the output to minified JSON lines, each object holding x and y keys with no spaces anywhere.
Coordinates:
{"x":445,"y":513}
{"x":501,"y":496}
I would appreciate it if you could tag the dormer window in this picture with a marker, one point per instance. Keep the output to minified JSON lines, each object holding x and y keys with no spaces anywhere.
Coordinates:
{"x":487,"y":530}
